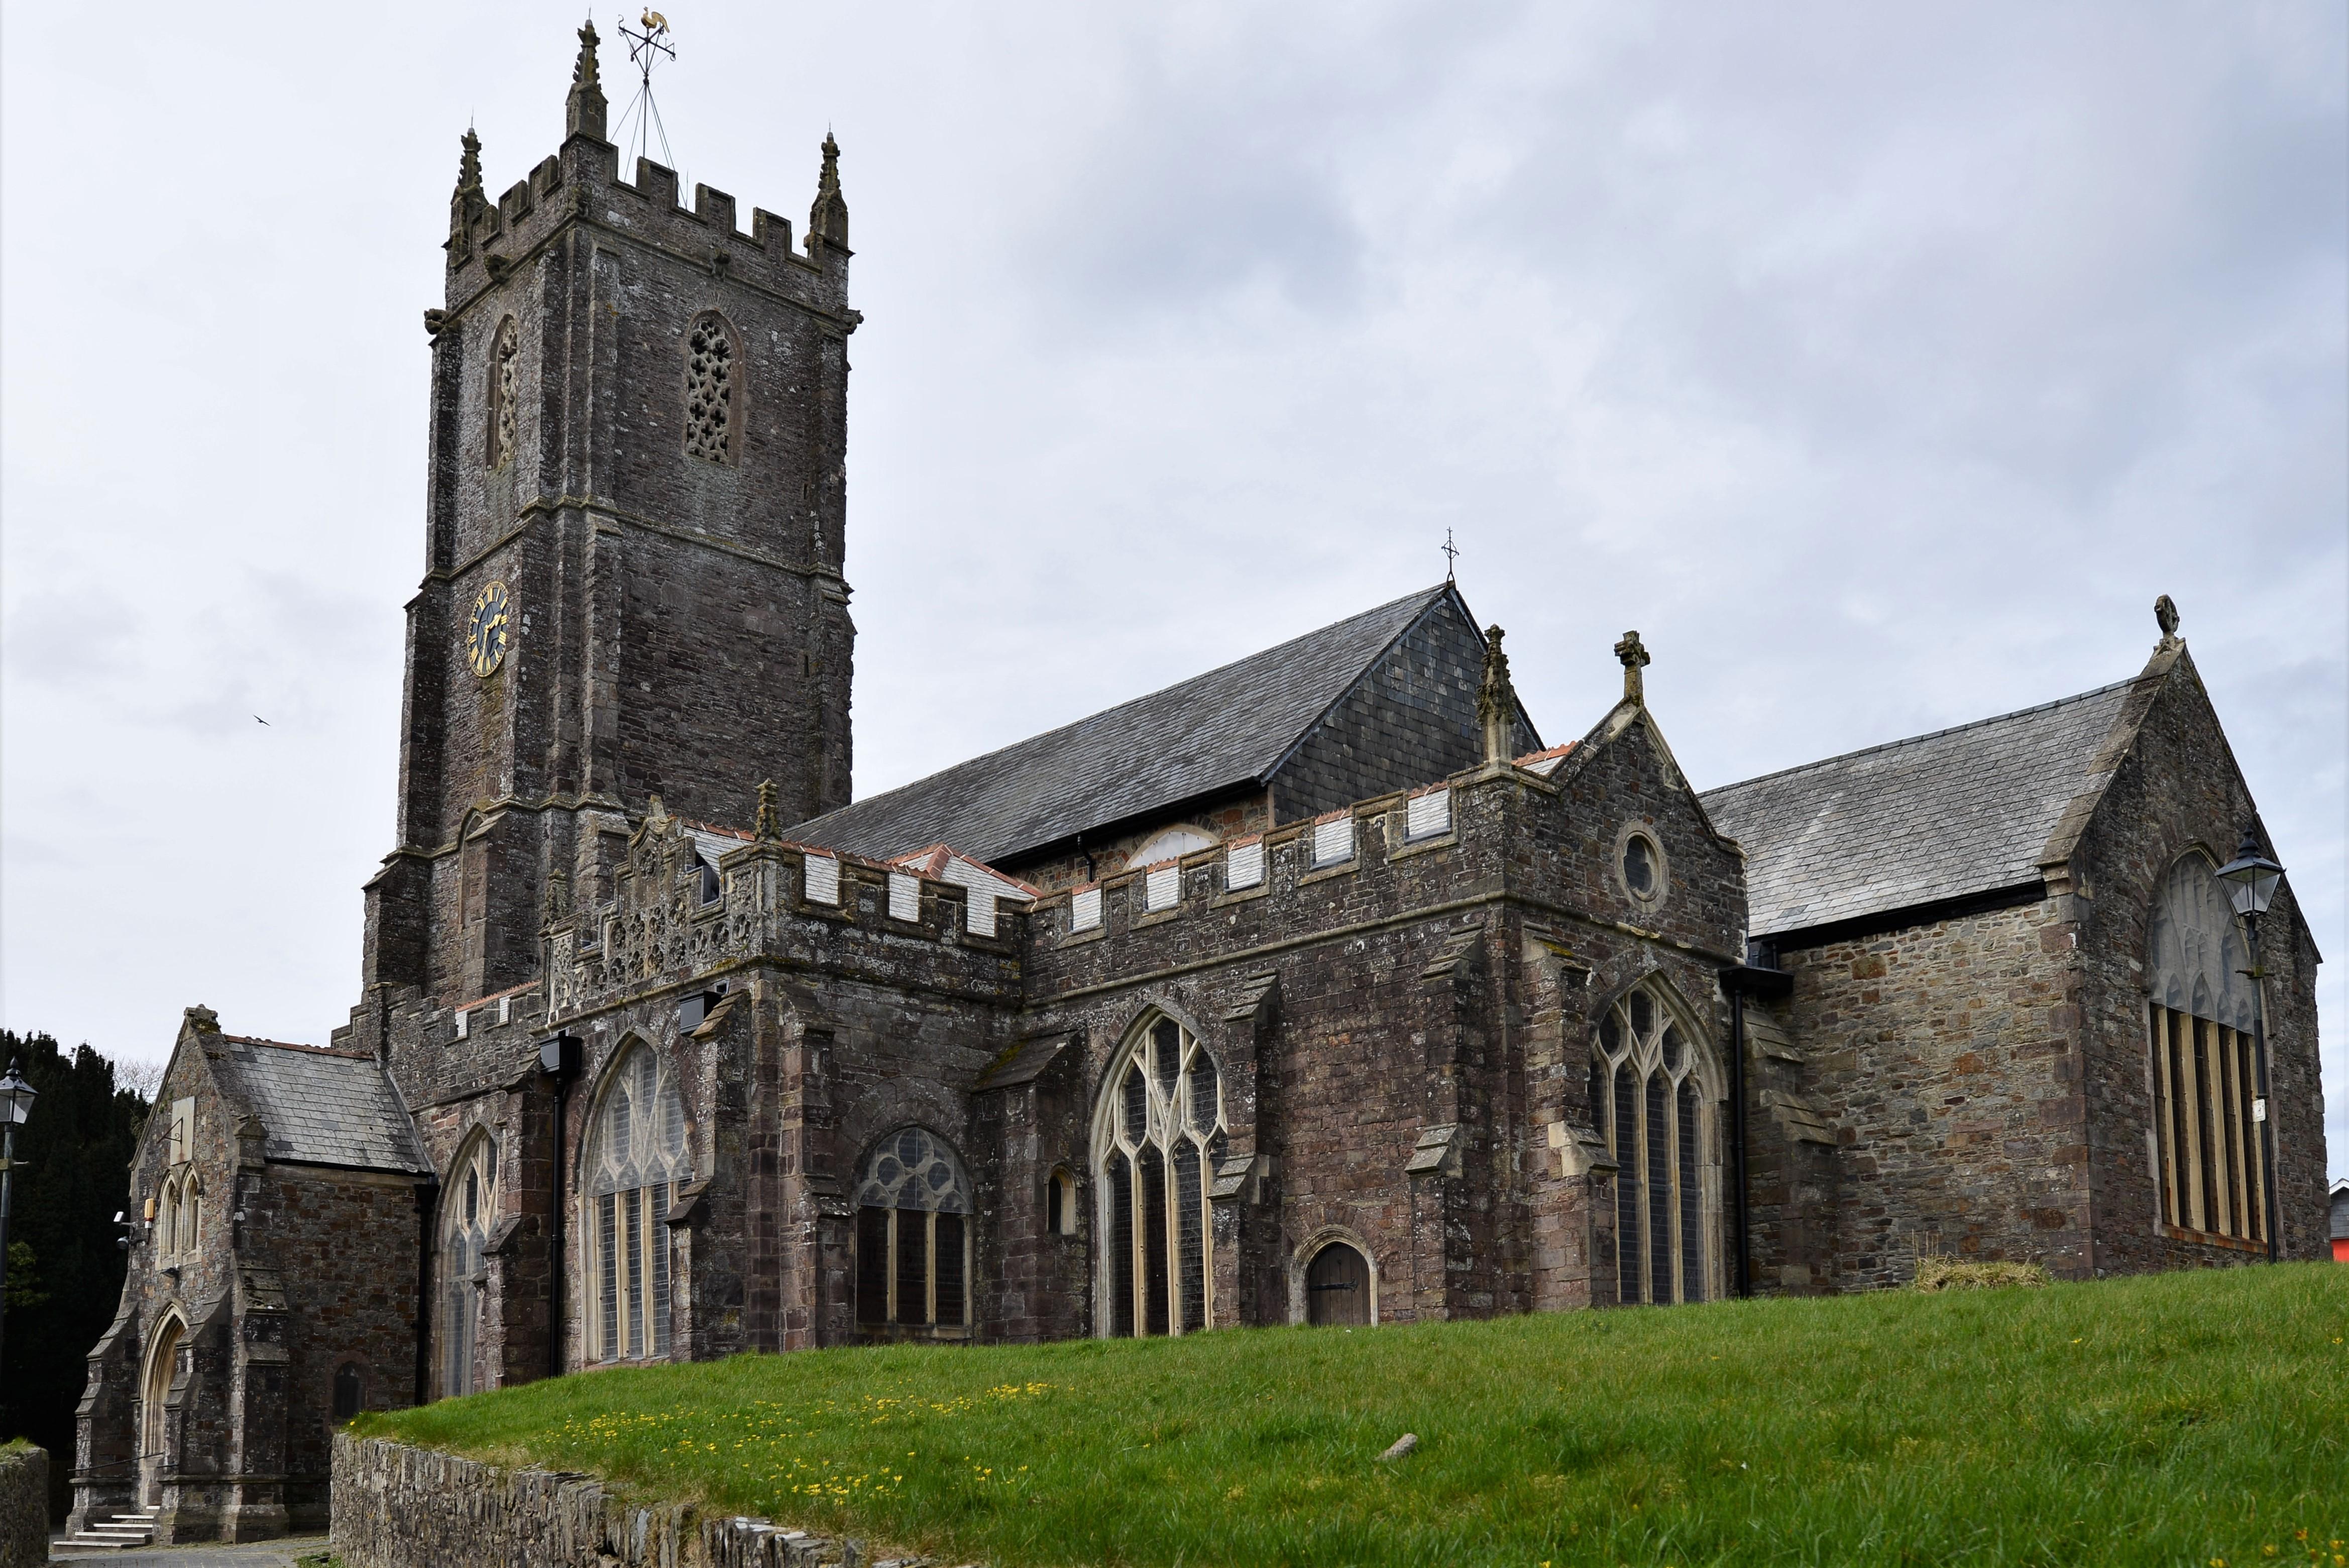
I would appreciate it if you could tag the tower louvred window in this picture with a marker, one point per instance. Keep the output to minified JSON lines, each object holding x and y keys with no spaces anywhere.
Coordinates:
{"x":1160,"y":1132}
{"x":913,"y":1233}
{"x":1650,"y":1099}
{"x":712,"y":374}
{"x":637,"y":1161}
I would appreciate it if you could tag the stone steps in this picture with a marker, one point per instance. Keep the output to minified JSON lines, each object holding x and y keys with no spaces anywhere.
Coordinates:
{"x":120,"y":1533}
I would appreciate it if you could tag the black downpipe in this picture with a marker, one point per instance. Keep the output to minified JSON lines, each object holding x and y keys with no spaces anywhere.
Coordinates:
{"x":560,"y":1058}
{"x":428,"y":1203}
{"x":1737,"y":1140}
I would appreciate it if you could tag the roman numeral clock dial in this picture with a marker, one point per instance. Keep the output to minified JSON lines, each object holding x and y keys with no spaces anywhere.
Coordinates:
{"x":487,"y":632}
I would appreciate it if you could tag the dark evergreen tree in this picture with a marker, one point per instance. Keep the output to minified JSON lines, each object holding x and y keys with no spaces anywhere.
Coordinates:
{"x":65,"y":1269}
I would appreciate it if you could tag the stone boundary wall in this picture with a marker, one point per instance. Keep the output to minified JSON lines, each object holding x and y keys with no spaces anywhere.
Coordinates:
{"x":23,"y":1506}
{"x":401,"y":1507}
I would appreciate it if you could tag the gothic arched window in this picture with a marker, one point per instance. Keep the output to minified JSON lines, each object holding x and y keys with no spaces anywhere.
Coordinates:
{"x":713,"y":392}
{"x":1159,"y":1130}
{"x":913,"y":1233}
{"x":2213,"y":1174}
{"x":637,"y":1159}
{"x":468,"y":1208}
{"x":1650,"y":1099}
{"x":505,"y":391}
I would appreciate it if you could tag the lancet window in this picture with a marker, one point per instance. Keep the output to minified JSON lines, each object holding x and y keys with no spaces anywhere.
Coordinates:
{"x":2213,"y":1174}
{"x":468,"y":1208}
{"x":636,"y":1160}
{"x":713,"y":370}
{"x":1652,"y":1103}
{"x":1160,"y":1131}
{"x":505,"y":390}
{"x":913,"y":1233}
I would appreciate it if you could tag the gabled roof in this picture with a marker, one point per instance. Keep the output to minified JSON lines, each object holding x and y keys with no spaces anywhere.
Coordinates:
{"x":1958,"y":812}
{"x":1231,"y":726}
{"x":325,"y":1107}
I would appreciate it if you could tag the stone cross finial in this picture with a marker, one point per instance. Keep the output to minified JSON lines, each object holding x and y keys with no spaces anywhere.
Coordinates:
{"x":828,"y":218}
{"x":1634,"y":657}
{"x":2165,"y":616}
{"x":1496,"y":700}
{"x":767,"y":828}
{"x":584,"y":111}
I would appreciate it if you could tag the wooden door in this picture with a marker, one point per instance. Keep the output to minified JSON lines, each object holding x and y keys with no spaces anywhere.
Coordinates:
{"x":1337,"y":1286}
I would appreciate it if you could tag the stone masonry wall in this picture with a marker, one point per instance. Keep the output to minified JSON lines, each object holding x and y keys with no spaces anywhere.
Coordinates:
{"x":24,"y":1506}
{"x":398,"y":1507}
{"x":1942,"y":1055}
{"x":2177,"y":790}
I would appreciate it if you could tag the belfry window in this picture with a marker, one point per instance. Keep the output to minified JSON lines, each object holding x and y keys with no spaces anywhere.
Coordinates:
{"x":1160,"y":1129}
{"x":505,"y":391}
{"x":712,"y":369}
{"x":1651,"y":1103}
{"x":913,"y":1233}
{"x":635,"y":1162}
{"x":468,"y":1208}
{"x":2212,"y":1176}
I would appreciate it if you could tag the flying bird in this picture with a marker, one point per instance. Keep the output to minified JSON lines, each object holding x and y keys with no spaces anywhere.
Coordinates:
{"x":258,"y":719}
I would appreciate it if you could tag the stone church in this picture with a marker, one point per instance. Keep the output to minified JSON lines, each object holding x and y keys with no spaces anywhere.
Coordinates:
{"x":1323,"y":988}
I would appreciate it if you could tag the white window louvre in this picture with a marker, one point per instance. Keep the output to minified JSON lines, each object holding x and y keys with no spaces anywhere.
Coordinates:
{"x":978,"y":911}
{"x":505,"y":1010}
{"x":1085,"y":909}
{"x":822,"y":880}
{"x":905,"y":896}
{"x":1244,"y":866}
{"x":1428,"y":814}
{"x":1162,"y":888}
{"x":464,"y":1015}
{"x":1333,"y":842}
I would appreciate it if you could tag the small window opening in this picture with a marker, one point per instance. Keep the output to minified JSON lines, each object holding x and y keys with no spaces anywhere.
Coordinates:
{"x":710,"y":887}
{"x":1640,"y":865}
{"x":350,"y":1392}
{"x":1060,"y":1204}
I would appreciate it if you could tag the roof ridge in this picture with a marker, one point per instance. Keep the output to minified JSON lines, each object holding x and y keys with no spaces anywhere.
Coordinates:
{"x":298,"y":1046}
{"x":1930,"y":735}
{"x":1043,"y":734}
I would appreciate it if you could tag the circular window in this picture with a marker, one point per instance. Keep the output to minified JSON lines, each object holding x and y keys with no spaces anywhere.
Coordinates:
{"x":1639,"y":864}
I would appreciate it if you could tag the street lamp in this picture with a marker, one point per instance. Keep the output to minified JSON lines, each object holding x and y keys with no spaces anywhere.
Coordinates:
{"x":2251,"y":878}
{"x":17,"y":1098}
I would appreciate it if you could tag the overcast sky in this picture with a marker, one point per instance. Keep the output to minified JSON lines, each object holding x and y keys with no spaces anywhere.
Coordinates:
{"x":1879,"y":364}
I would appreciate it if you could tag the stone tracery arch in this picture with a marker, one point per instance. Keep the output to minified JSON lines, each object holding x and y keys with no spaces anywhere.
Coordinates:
{"x":637,"y":1156}
{"x":469,"y":1205}
{"x":1654,"y":1092}
{"x":1159,"y":1129}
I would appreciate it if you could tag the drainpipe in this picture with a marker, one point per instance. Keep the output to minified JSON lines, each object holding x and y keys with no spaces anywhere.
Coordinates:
{"x":1764,"y":980}
{"x":428,"y":1201}
{"x":560,"y":1058}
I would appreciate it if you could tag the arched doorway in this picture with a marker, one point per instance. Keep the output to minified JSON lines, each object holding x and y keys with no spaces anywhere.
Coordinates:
{"x":163,"y":1366}
{"x":1337,"y":1286}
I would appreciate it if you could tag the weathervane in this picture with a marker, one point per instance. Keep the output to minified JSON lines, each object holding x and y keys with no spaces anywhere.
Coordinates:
{"x":647,"y":43}
{"x":1450,"y":555}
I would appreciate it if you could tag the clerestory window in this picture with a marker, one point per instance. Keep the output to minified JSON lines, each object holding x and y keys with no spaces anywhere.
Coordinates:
{"x":637,"y":1159}
{"x":1652,"y":1100}
{"x":913,"y":1233}
{"x":1160,"y":1129}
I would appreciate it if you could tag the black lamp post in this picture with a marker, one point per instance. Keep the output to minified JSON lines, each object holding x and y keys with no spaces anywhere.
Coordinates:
{"x":2251,"y":878}
{"x":17,"y":1098}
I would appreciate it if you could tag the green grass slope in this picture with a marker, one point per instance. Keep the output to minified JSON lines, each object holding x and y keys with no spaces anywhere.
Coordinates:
{"x":2183,"y":1419}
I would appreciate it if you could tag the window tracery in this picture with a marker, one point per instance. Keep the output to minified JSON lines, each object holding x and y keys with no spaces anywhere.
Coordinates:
{"x":1160,"y":1131}
{"x":1652,"y":1104}
{"x":913,"y":1233}
{"x":2213,"y":1174}
{"x":505,"y":387}
{"x":637,"y":1161}
{"x":469,"y":1210}
{"x":710,"y":373}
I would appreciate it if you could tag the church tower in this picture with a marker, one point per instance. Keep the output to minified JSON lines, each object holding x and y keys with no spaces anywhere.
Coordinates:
{"x":634,"y":544}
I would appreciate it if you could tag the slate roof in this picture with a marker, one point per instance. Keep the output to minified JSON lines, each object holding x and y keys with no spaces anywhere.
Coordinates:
{"x":1939,"y":816}
{"x":325,"y":1108}
{"x":1233,"y":725}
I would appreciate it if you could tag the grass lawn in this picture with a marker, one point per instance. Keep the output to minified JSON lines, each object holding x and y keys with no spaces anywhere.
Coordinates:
{"x":2183,"y":1419}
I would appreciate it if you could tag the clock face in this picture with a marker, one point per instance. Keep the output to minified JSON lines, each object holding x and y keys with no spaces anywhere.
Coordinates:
{"x":487,"y":634}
